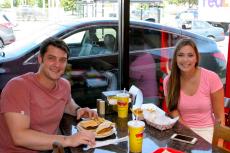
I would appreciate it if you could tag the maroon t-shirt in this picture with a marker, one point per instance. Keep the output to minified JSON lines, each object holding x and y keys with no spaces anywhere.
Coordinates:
{"x":45,"y":107}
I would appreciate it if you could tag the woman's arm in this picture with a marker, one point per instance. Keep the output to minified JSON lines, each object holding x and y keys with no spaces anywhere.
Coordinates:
{"x":217,"y":99}
{"x":176,"y":113}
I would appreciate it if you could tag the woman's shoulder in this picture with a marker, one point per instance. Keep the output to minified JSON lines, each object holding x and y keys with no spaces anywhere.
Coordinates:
{"x":210,"y":76}
{"x":208,"y":73}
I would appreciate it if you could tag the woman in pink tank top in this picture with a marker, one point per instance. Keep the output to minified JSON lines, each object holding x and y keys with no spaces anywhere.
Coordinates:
{"x":193,"y":93}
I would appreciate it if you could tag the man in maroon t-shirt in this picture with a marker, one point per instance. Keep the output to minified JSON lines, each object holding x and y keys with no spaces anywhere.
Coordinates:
{"x":32,"y":105}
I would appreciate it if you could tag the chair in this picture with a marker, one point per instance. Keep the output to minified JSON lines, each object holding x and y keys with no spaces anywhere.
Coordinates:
{"x":221,"y":132}
{"x":86,"y":49}
{"x":110,"y":42}
{"x":227,"y":111}
{"x":58,"y":148}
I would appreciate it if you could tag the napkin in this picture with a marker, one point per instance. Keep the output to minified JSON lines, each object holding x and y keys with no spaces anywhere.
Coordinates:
{"x":108,"y":142}
{"x":137,"y":96}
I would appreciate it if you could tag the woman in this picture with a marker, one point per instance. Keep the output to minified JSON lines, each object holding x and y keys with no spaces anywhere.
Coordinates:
{"x":193,"y":93}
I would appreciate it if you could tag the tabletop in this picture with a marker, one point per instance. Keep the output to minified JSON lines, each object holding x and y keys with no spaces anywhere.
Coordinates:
{"x":153,"y":138}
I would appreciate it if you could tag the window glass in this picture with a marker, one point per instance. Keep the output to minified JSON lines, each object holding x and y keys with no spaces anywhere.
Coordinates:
{"x":152,"y":45}
{"x":76,"y":38}
{"x":93,"y":41}
{"x":151,"y":50}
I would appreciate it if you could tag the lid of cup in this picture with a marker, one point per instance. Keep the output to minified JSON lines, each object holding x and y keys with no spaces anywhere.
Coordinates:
{"x":136,"y":123}
{"x":122,"y":95}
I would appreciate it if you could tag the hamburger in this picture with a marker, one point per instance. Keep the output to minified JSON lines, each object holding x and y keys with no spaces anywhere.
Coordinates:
{"x":91,"y":124}
{"x":104,"y":128}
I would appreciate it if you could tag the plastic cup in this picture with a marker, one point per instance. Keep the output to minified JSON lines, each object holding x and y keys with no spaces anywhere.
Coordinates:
{"x":122,"y":105}
{"x":122,"y":125}
{"x":136,"y":134}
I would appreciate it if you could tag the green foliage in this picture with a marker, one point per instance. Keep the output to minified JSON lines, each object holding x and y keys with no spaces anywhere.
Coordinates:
{"x":16,"y":3}
{"x":39,"y":3}
{"x":69,"y":5}
{"x":31,"y":2}
{"x":183,"y":2}
{"x":143,"y":6}
{"x":5,"y":4}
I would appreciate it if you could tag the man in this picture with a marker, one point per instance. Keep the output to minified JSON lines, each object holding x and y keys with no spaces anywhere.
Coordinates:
{"x":32,"y":105}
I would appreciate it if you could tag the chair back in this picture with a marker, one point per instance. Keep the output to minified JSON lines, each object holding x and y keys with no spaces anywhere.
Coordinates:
{"x":110,"y":42}
{"x":58,"y":148}
{"x":221,"y":132}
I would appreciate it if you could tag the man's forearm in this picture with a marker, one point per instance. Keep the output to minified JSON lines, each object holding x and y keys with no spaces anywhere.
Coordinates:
{"x":39,"y":141}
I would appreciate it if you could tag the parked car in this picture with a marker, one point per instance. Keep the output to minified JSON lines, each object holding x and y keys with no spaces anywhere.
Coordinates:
{"x":29,"y":13}
{"x":204,"y":28}
{"x":93,"y":63}
{"x":189,"y":14}
{"x":6,"y":31}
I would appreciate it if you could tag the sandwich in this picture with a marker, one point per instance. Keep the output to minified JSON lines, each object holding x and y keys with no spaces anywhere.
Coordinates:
{"x":104,"y":128}
{"x":91,"y":124}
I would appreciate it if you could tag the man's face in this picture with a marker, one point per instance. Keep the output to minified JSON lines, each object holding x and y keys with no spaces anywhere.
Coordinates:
{"x":53,"y":64}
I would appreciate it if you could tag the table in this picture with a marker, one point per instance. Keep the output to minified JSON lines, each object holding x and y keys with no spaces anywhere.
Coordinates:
{"x":153,"y":138}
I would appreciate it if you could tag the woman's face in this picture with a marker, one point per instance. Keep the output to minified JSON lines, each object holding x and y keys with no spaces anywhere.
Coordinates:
{"x":186,"y":59}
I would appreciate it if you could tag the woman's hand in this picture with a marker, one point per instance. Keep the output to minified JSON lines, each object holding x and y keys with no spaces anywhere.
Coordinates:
{"x":175,"y":113}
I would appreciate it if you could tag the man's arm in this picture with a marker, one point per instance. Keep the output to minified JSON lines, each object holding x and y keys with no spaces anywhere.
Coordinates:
{"x":72,"y":109}
{"x":22,"y":135}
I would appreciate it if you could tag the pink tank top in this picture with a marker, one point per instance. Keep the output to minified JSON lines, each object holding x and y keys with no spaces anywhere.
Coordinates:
{"x":196,"y":110}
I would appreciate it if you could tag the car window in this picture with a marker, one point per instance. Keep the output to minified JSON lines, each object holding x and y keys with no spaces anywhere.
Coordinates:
{"x":144,"y":39}
{"x":93,"y":41}
{"x":200,"y":25}
{"x":76,"y":38}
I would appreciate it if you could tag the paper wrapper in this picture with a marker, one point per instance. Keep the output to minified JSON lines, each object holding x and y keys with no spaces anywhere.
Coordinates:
{"x":159,"y":121}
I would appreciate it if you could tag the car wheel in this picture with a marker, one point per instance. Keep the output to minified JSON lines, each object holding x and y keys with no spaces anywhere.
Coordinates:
{"x":1,"y":43}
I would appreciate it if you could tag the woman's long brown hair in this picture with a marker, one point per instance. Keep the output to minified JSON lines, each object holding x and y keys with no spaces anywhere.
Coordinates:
{"x":173,"y":84}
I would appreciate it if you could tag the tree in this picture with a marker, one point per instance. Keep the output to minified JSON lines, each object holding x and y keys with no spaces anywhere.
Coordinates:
{"x":5,"y":4}
{"x":69,"y":5}
{"x":189,"y":2}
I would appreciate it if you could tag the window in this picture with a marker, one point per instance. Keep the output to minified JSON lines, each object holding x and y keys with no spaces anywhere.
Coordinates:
{"x":93,"y":41}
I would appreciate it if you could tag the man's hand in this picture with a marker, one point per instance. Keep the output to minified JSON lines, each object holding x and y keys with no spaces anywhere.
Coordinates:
{"x":86,"y":113}
{"x":82,"y":137}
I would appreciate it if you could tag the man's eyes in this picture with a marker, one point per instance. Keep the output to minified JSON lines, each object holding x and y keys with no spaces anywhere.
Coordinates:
{"x":52,"y":58}
{"x":63,"y":60}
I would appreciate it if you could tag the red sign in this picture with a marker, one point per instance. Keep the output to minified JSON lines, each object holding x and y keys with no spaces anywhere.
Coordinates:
{"x":120,"y":103}
{"x":139,"y":135}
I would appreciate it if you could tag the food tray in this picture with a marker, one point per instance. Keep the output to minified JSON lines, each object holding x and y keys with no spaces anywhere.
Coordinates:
{"x":167,"y":150}
{"x":162,"y":126}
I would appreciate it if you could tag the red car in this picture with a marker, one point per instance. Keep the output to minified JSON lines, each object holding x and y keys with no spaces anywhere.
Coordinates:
{"x":6,"y":31}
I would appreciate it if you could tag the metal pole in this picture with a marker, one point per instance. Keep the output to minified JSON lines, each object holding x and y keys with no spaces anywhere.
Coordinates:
{"x":123,"y":43}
